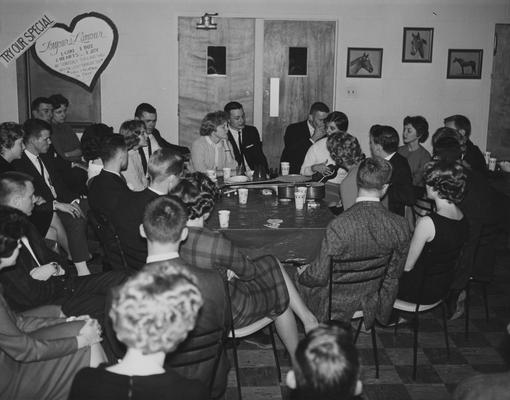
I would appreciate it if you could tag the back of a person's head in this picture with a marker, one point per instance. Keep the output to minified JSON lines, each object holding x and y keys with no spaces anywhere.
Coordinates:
{"x":421,"y":126}
{"x":164,"y":219}
{"x":164,"y":163}
{"x":197,"y":192}
{"x":233,"y":105}
{"x":318,"y":107}
{"x":92,"y":139}
{"x":12,"y":183}
{"x":386,"y":136}
{"x":461,"y":122}
{"x":58,"y":100}
{"x":339,"y":119}
{"x":327,"y":364}
{"x":448,"y":144}
{"x":144,"y":107}
{"x":9,"y":133}
{"x":373,"y":173}
{"x":447,"y":178}
{"x":13,"y":226}
{"x":111,"y":145}
{"x":131,"y":130}
{"x":33,"y":128}
{"x":154,"y":310}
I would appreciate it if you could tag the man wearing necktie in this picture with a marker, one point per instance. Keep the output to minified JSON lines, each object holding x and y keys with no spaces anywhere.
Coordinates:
{"x":245,"y":140}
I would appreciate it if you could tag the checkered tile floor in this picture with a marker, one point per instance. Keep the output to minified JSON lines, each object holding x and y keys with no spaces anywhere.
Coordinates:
{"x":437,"y":374}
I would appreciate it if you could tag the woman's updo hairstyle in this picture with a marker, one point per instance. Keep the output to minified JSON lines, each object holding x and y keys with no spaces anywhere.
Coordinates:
{"x":198,"y":193}
{"x":447,"y":178}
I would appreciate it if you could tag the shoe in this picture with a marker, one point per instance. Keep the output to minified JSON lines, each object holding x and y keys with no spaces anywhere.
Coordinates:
{"x":460,"y":306}
{"x":259,"y":339}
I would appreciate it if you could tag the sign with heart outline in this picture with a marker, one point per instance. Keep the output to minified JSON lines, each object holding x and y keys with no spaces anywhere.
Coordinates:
{"x":80,"y":52}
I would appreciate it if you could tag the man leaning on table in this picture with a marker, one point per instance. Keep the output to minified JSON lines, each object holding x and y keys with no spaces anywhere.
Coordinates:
{"x":366,"y":230}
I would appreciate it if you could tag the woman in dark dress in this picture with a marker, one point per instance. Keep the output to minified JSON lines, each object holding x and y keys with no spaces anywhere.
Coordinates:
{"x":259,"y":288}
{"x":152,"y":313}
{"x":438,"y":237}
{"x":40,"y":352}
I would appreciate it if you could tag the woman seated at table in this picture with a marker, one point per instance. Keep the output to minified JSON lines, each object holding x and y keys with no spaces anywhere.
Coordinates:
{"x":259,"y":288}
{"x":212,"y":150}
{"x":91,"y":143}
{"x":40,"y":351}
{"x":135,"y":133}
{"x":346,"y":152}
{"x":438,"y":237}
{"x":318,"y":161}
{"x":152,"y":313}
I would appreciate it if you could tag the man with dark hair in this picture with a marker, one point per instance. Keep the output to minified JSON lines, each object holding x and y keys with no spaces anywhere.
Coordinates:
{"x":384,"y":143}
{"x":164,"y":227}
{"x":147,"y":113}
{"x":300,"y":136}
{"x":366,"y":231}
{"x":42,"y":277}
{"x":109,"y":187}
{"x":42,"y":109}
{"x":327,"y":365}
{"x":245,"y":140}
{"x":165,"y":168}
{"x":50,"y":186}
{"x":473,"y":155}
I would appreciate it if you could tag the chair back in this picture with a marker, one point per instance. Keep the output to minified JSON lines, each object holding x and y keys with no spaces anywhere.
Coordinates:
{"x":109,"y":240}
{"x":354,"y":271}
{"x":423,"y":207}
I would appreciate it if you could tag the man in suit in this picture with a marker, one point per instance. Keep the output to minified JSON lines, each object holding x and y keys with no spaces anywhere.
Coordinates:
{"x":384,"y":143}
{"x":41,"y":276}
{"x":165,"y":168}
{"x":147,"y":113}
{"x":49,"y":185}
{"x":245,"y":140}
{"x":164,"y":226}
{"x":365,"y":231}
{"x":473,"y":155}
{"x":109,"y":187}
{"x":300,"y":136}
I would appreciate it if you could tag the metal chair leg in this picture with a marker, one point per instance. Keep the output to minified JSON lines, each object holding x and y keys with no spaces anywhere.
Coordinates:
{"x":445,"y":329}
{"x":275,"y":352}
{"x":415,"y":344}
{"x":397,"y":318}
{"x":485,"y":301}
{"x":374,"y":349}
{"x":467,"y":306}
{"x":236,"y":366}
{"x":358,"y":330}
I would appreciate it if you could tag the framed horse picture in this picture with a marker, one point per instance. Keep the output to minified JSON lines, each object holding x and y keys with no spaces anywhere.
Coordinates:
{"x":464,"y":64}
{"x":364,"y":62}
{"x":417,"y":45}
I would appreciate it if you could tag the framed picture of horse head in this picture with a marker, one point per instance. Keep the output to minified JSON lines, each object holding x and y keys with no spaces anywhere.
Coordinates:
{"x":417,"y":45}
{"x":464,"y":64}
{"x":364,"y":62}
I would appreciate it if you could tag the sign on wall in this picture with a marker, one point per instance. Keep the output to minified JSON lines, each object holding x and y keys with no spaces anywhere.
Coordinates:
{"x":26,"y":39}
{"x":80,"y":52}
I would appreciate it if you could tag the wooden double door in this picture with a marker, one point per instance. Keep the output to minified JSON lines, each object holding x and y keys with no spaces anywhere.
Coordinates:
{"x":218,"y":66}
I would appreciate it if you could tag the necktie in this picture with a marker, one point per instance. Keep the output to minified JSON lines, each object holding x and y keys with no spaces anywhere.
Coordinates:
{"x":41,"y":165}
{"x":149,"y":145}
{"x":241,"y":153}
{"x":144,"y":159}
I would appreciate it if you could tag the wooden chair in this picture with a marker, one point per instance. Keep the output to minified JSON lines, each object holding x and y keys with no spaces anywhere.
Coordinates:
{"x":246,"y":331}
{"x":109,"y":240}
{"x":350,"y":275}
{"x":439,"y":272}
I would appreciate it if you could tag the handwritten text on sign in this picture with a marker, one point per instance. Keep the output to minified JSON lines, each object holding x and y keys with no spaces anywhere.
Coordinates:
{"x":24,"y":41}
{"x":81,"y":52}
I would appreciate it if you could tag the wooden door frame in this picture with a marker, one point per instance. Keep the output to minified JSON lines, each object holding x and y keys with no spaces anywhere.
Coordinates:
{"x":259,"y":41}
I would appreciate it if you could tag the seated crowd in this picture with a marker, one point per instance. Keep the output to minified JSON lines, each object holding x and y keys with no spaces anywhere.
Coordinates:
{"x":129,"y":330}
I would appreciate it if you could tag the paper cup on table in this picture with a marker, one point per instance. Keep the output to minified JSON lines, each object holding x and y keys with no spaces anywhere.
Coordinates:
{"x":285,"y":166}
{"x":226,"y":173}
{"x":243,"y":195}
{"x":492,"y":163}
{"x":211,"y":173}
{"x":300,"y":198}
{"x":487,"y":157}
{"x":224,"y":217}
{"x":301,"y":189}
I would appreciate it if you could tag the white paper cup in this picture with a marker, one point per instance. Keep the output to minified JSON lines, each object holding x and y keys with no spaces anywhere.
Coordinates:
{"x":301,"y":189}
{"x":226,"y":173}
{"x":224,"y":217}
{"x":285,"y":167}
{"x":243,"y":195}
{"x":487,"y":157}
{"x":492,"y":163}
{"x":211,"y":173}
{"x":299,"y":198}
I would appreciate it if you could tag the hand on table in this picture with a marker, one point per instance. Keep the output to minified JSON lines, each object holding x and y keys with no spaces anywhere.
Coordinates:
{"x":322,"y":168}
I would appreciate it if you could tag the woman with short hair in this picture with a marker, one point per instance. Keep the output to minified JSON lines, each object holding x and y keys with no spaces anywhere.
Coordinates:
{"x":135,"y":133}
{"x":212,"y":150}
{"x":152,"y":313}
{"x":11,"y":144}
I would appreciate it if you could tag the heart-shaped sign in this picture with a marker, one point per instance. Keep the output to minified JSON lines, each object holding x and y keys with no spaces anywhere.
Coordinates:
{"x":78,"y":53}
